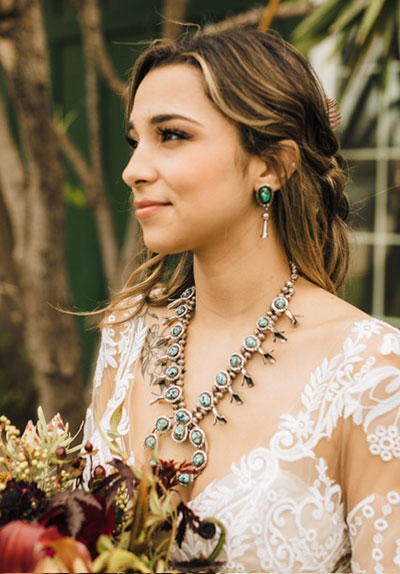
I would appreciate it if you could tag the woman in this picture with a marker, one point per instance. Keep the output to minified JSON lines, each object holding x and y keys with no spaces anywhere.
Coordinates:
{"x":238,"y":187}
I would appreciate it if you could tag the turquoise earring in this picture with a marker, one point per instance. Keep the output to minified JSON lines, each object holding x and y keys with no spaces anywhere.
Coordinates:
{"x":264,"y":198}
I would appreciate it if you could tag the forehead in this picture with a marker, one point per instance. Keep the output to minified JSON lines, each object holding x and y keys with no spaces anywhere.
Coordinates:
{"x":174,"y":88}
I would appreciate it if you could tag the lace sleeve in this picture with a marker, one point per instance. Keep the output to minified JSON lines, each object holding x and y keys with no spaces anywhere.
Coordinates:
{"x":371,"y":455}
{"x":119,"y":349}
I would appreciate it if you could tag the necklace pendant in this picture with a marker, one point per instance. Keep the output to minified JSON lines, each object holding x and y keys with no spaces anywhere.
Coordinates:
{"x":263,"y":323}
{"x":267,"y":356}
{"x":247,"y":378}
{"x":280,"y":304}
{"x":176,"y":331}
{"x":199,"y":459}
{"x":156,"y":399}
{"x":292,"y":318}
{"x":278,"y":336}
{"x":236,"y":362}
{"x":235,"y":396}
{"x":150,"y":441}
{"x":183,"y":416}
{"x":197,"y":437}
{"x":162,"y":425}
{"x":206,"y":401}
{"x":251,"y":343}
{"x":222,"y":379}
{"x":185,"y":478}
{"x":218,"y":417}
{"x":179,"y":432}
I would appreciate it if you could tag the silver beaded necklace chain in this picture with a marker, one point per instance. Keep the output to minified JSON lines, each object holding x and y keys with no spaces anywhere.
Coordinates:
{"x":183,"y":424}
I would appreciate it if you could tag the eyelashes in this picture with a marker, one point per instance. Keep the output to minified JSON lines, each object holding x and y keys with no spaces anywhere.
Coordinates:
{"x":169,"y":134}
{"x":132,"y":143}
{"x":166,"y":135}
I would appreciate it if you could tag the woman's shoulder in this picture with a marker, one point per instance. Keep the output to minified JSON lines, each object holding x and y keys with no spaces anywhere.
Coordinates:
{"x":336,"y":325}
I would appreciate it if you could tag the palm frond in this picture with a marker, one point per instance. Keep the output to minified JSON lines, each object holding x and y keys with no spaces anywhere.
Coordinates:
{"x":365,"y":30}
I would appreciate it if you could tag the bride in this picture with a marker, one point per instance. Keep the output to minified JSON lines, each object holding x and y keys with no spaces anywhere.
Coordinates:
{"x":228,"y":347}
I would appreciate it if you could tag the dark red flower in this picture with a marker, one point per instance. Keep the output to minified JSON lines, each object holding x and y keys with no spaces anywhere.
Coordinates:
{"x":21,"y":500}
{"x":80,"y":515}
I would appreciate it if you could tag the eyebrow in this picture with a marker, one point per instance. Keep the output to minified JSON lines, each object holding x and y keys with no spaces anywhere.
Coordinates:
{"x":159,"y":119}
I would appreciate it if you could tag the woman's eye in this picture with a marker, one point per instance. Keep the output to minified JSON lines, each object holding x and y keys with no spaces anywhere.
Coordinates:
{"x":168,"y":134}
{"x":132,"y":143}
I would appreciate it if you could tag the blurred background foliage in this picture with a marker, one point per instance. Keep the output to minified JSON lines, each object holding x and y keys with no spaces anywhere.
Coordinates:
{"x":359,"y":40}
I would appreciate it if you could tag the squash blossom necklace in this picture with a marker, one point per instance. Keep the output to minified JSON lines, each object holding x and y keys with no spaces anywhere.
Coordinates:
{"x":184,"y":424}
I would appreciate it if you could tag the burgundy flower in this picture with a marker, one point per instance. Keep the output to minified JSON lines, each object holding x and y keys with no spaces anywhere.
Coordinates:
{"x":21,"y":500}
{"x":80,"y":515}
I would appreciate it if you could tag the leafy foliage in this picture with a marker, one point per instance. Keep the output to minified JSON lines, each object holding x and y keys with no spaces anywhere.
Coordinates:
{"x":60,"y":521}
{"x":365,"y":31}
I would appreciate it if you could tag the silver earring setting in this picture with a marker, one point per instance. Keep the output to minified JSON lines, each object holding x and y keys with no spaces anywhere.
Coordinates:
{"x":264,"y":197}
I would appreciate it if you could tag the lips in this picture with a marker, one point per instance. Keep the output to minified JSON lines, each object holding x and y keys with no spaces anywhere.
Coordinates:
{"x":145,"y":207}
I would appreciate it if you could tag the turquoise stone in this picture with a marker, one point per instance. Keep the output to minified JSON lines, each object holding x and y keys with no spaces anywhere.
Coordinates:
{"x":184,"y":478}
{"x":150,"y":442}
{"x":187,"y":292}
{"x":221,"y":379}
{"x":173,"y":351}
{"x":182,"y":417}
{"x":180,"y":310}
{"x":172,"y":393}
{"x":179,"y":431}
{"x":262,"y":322}
{"x":264,"y":194}
{"x":235,"y":361}
{"x":162,"y":425}
{"x":176,"y":331}
{"x":198,"y":459}
{"x":172,"y":372}
{"x":196,"y":437}
{"x":205,"y":400}
{"x":280,"y":303}
{"x":251,"y":342}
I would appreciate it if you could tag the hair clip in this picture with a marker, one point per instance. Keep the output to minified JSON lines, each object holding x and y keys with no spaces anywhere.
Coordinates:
{"x":334,"y":115}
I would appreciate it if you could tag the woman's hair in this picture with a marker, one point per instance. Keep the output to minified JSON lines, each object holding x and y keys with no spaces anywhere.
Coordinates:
{"x":268,"y":90}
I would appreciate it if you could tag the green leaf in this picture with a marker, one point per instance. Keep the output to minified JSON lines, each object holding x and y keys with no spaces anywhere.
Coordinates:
{"x":398,"y":25}
{"x":348,"y":15}
{"x":75,"y":196}
{"x":314,"y":28}
{"x":369,"y":20}
{"x":104,"y":544}
{"x":116,"y":418}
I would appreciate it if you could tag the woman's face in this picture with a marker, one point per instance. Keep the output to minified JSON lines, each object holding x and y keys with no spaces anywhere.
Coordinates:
{"x":192,"y":183}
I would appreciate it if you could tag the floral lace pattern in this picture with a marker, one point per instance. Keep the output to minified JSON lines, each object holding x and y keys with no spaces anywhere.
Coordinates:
{"x":282,"y":509}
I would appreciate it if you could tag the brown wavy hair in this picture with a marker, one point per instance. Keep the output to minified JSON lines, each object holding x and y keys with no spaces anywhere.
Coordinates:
{"x":269,"y":91}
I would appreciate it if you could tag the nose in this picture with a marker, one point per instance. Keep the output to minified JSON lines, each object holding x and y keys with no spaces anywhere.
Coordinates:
{"x":140,"y":169}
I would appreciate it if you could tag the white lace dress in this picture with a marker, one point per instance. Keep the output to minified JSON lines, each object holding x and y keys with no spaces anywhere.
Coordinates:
{"x":281,"y":507}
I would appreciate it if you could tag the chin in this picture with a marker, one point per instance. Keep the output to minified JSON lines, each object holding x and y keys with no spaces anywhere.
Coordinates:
{"x":164,"y":246}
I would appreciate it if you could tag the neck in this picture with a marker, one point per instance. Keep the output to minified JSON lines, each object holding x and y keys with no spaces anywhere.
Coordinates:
{"x":235,"y":281}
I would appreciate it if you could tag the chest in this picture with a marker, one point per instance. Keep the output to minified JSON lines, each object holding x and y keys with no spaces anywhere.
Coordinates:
{"x":276,"y":389}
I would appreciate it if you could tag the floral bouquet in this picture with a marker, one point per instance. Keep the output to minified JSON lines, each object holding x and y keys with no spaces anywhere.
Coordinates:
{"x":52,"y":519}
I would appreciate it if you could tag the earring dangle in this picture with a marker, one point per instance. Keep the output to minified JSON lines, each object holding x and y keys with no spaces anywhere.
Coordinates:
{"x":264,"y":198}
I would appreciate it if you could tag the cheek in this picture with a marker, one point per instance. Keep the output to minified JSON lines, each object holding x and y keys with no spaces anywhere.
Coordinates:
{"x":200,"y":173}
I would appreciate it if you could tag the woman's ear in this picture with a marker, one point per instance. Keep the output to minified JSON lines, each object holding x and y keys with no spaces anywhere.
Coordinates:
{"x":289,"y":158}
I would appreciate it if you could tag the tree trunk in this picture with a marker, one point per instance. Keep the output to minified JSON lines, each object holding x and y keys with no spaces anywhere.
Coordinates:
{"x":33,"y":194}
